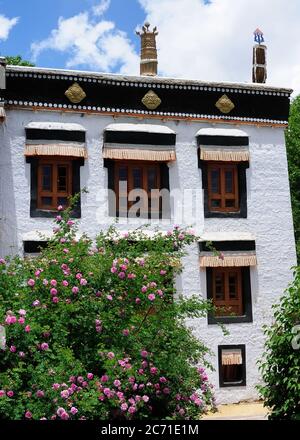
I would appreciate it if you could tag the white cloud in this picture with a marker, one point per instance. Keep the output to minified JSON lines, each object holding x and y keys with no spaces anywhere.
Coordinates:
{"x":6,"y":25}
{"x":102,"y":7}
{"x":91,"y":42}
{"x":214,"y":41}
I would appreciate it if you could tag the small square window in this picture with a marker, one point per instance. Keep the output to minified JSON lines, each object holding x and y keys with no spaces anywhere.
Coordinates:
{"x":232,"y":365}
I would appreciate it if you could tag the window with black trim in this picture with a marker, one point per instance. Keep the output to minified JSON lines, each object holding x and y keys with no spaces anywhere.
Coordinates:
{"x":232,"y":365}
{"x":229,"y":288}
{"x":225,"y":189}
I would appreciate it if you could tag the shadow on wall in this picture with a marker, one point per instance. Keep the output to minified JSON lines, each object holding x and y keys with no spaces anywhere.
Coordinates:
{"x":8,"y":220}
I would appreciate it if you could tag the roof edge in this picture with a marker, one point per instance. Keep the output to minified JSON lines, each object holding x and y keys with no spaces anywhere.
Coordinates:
{"x":146,"y":79}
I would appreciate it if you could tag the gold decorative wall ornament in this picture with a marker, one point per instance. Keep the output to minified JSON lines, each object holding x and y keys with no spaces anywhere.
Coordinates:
{"x":75,"y":93}
{"x":151,"y":100}
{"x":224,"y":104}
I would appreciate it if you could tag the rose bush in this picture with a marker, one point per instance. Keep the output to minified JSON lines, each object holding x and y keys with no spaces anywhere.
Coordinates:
{"x":94,"y":332}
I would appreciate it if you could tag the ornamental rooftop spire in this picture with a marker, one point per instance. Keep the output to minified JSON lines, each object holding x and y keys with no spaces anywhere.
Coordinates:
{"x":259,"y":71}
{"x":148,"y":66}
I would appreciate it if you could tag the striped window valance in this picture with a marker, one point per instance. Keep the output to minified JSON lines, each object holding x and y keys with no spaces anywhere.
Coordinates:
{"x":143,"y":142}
{"x":55,"y":139}
{"x":225,"y":145}
{"x":232,"y":357}
{"x":228,"y":259}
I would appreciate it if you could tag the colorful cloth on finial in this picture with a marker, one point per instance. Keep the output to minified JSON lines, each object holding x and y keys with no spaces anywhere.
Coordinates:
{"x":258,"y":36}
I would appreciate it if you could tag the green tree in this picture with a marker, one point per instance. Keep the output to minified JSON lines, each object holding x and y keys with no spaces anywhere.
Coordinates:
{"x":18,"y":61}
{"x":280,"y":365}
{"x":293,"y":153}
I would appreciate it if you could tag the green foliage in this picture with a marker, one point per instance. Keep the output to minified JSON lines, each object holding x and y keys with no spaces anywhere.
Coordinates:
{"x":280,"y":365}
{"x":293,"y":153}
{"x":94,"y":332}
{"x":18,"y":61}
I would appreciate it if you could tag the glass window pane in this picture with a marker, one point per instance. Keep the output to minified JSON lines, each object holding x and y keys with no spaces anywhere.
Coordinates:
{"x":123,"y":173}
{"x":62,"y":175}
{"x":215,"y":181}
{"x":232,"y":284}
{"x":152,"y":179}
{"x":47,"y":178}
{"x":230,"y":203}
{"x":137,"y":177}
{"x":62,"y":201}
{"x":216,"y":203}
{"x":219,"y":287}
{"x":47,"y":201}
{"x":229,"y":181}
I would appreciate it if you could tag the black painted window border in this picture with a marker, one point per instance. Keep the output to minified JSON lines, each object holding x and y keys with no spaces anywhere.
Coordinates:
{"x":220,"y":246}
{"x":242,"y":347}
{"x":41,"y":213}
{"x":165,"y":184}
{"x":242,"y":180}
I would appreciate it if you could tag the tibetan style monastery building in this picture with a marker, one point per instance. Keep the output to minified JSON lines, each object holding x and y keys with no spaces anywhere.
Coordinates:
{"x":215,"y":150}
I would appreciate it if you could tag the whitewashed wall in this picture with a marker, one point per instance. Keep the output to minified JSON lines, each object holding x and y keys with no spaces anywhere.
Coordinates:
{"x":269,"y":218}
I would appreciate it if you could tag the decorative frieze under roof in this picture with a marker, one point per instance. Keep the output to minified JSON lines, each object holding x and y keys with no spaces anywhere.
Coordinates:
{"x":156,"y":97}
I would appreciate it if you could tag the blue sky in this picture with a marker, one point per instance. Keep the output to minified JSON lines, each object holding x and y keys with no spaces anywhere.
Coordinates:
{"x":198,"y":39}
{"x":38,"y":17}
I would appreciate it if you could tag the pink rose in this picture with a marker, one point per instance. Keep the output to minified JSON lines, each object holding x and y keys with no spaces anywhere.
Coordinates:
{"x":45,"y":282}
{"x":10,"y":393}
{"x":109,"y":297}
{"x":44,"y":346}
{"x":31,"y":282}
{"x":78,"y":276}
{"x":125,"y":332}
{"x":110,"y":355}
{"x":122,"y":275}
{"x":73,"y":410}
{"x":117,"y":383}
{"x":21,"y":320}
{"x":53,"y":283}
{"x":83,"y":282}
{"x":124,"y":406}
{"x":12,"y":349}
{"x":40,"y":393}
{"x":144,"y":289}
{"x":137,"y":300}
{"x":151,"y":297}
{"x":75,"y":290}
{"x":22,"y":312}
{"x":65,"y":283}
{"x":153,"y":370}
{"x":65,"y":394}
{"x":2,"y":393}
{"x":59,"y":208}
{"x":145,"y":398}
{"x":27,"y":328}
{"x":28,"y":415}
{"x":55,"y":299}
{"x":163,"y":272}
{"x":132,"y":409}
{"x":90,"y":376}
{"x":21,"y":354}
{"x":144,"y":353}
{"x":104,"y":378}
{"x":53,"y":291}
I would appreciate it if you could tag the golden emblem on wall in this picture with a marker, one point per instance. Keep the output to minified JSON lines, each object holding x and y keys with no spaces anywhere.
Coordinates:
{"x":151,"y":100}
{"x":75,"y":93}
{"x":224,"y":104}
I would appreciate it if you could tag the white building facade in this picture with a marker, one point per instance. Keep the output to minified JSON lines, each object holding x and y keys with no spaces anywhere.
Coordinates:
{"x":226,"y":170}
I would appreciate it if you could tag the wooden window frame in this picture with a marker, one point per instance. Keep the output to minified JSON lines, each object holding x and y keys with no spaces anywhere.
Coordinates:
{"x":145,"y":166}
{"x":55,"y":162}
{"x":222,"y":195}
{"x":228,"y":302}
